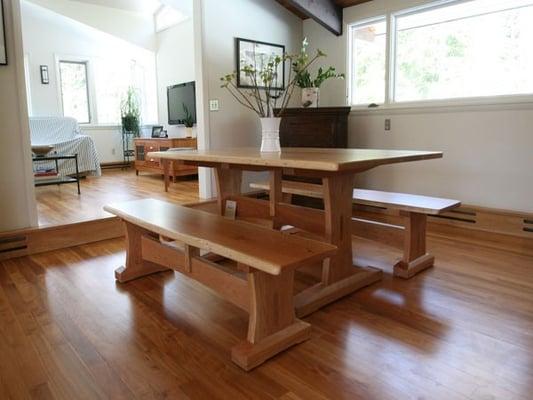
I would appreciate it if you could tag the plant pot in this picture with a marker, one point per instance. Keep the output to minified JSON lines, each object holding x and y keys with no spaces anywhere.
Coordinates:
{"x":310,"y":97}
{"x":130,"y":124}
{"x":189,"y":132}
{"x":270,"y":135}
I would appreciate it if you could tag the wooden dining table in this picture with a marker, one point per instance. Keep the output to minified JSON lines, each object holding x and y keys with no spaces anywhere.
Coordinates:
{"x":336,"y":168}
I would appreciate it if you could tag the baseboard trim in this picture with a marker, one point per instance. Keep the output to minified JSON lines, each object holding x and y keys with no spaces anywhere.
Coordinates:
{"x":116,"y":164}
{"x":498,"y":229}
{"x":39,"y":240}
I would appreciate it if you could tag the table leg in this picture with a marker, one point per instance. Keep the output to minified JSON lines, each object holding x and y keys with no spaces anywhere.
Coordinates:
{"x":77,"y":174}
{"x":228,"y":183}
{"x":276,"y":196}
{"x":166,"y":173}
{"x":339,"y":276}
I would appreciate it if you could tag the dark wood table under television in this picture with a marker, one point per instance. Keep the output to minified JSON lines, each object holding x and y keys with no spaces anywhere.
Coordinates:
{"x":324,"y":127}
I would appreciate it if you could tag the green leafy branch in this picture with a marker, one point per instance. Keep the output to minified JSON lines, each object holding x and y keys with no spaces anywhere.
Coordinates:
{"x":264,"y":95}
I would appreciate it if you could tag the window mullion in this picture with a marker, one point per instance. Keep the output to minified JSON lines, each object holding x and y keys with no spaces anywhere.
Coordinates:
{"x":389,"y":59}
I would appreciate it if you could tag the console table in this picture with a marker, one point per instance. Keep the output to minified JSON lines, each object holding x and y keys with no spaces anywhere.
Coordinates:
{"x":153,"y":165}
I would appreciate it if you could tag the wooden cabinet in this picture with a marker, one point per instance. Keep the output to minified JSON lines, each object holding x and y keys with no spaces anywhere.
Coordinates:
{"x":325,"y":127}
{"x":143,"y":146}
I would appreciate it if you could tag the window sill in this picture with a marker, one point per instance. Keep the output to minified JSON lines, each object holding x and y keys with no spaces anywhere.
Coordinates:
{"x":108,"y":127}
{"x":449,"y":106}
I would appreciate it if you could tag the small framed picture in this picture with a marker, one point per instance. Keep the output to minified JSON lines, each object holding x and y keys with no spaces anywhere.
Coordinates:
{"x":156,"y":131}
{"x":3,"y":49}
{"x":45,"y":78}
{"x":258,"y":54}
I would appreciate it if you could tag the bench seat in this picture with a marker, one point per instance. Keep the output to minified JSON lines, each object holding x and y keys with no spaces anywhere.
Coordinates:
{"x":374,"y":198}
{"x":264,"y":249}
{"x":162,"y":236}
{"x":413,"y":208}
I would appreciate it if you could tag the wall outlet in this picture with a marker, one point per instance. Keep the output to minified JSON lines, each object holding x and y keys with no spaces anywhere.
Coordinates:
{"x":113,"y":151}
{"x":388,"y":124}
{"x":213,"y":105}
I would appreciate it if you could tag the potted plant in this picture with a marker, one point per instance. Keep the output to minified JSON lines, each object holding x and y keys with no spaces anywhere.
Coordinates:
{"x":264,"y":97}
{"x":130,"y":112}
{"x":311,"y":87}
{"x":188,"y":121}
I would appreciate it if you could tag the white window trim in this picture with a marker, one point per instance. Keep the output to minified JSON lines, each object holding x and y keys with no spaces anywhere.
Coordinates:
{"x":363,"y":22}
{"x":93,"y":124}
{"x":91,"y":90}
{"x":482,"y":103}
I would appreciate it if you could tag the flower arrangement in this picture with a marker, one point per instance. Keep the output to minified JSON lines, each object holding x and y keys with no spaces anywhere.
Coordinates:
{"x":264,"y":96}
{"x":304,"y":79}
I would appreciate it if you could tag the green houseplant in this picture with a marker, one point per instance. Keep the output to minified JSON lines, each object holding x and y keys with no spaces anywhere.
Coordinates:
{"x":264,"y":95}
{"x":130,"y":112}
{"x":311,"y":87}
{"x":188,"y":121}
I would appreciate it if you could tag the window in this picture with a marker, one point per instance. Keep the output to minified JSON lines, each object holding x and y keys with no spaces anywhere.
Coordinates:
{"x":167,"y":17}
{"x":369,"y":50}
{"x":75,"y":90}
{"x":113,"y":78}
{"x":445,"y":51}
{"x":92,"y":90}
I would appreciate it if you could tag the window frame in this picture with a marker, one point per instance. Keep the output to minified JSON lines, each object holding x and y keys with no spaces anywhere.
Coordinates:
{"x":358,"y":24}
{"x":450,"y":104}
{"x":89,"y":92}
{"x":92,"y":93}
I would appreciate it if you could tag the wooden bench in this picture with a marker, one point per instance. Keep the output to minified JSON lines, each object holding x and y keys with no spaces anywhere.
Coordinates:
{"x":413,"y":209}
{"x":162,"y":236}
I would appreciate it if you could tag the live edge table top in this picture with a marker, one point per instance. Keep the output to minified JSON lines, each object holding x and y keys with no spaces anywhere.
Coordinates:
{"x":316,"y":159}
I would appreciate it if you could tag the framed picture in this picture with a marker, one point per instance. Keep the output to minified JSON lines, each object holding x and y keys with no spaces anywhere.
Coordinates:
{"x":156,"y":131}
{"x":258,"y":54}
{"x":3,"y":49}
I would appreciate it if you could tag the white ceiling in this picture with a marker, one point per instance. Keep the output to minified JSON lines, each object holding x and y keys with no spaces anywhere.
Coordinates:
{"x":140,"y":6}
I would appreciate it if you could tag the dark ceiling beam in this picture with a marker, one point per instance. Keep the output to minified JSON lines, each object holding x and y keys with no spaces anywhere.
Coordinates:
{"x":326,"y":12}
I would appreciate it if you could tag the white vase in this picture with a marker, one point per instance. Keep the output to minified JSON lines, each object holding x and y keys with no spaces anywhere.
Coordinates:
{"x":270,"y":135}
{"x":189,"y":132}
{"x":310,"y":97}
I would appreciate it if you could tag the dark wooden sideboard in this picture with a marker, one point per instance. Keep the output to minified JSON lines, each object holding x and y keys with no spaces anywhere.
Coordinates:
{"x":315,"y":127}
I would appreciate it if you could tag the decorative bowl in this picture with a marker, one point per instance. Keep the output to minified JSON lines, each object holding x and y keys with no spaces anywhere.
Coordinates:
{"x":41,"y":150}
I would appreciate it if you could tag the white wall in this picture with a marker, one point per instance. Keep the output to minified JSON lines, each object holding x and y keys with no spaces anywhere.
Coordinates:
{"x":48,"y":34}
{"x":260,"y":20}
{"x":488,"y":151}
{"x":17,"y":204}
{"x":175,"y":64}
{"x":136,"y":28}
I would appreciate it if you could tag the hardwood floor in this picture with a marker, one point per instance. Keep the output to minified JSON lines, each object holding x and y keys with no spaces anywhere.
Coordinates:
{"x":59,"y":205}
{"x":462,"y":330}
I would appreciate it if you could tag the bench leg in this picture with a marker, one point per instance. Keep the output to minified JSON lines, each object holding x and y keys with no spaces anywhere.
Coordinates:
{"x":136,"y":267}
{"x":415,"y":259}
{"x":272,"y":326}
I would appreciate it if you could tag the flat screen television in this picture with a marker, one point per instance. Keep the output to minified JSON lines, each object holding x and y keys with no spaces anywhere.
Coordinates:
{"x":177,"y":96}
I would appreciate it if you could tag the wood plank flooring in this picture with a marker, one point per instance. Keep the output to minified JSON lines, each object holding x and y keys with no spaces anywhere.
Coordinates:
{"x":462,"y":330}
{"x":60,"y":205}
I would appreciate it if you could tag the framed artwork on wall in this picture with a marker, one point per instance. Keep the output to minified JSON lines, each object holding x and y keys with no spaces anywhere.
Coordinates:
{"x":258,"y":54}
{"x":3,"y":49}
